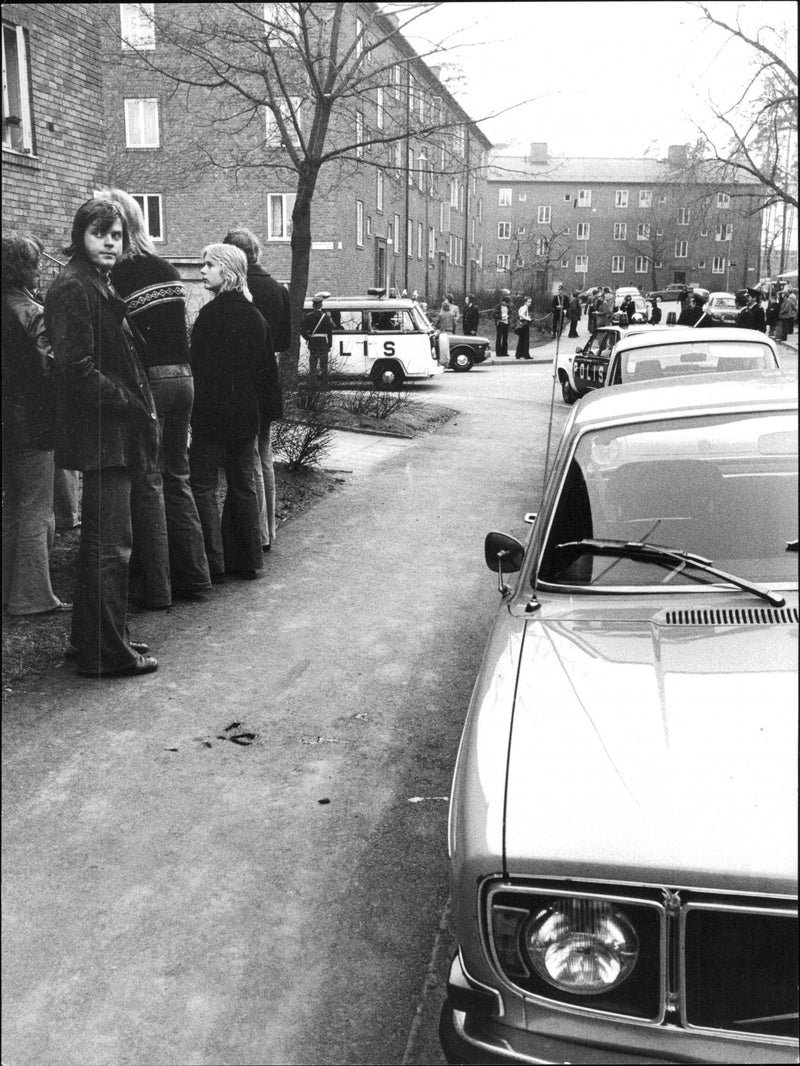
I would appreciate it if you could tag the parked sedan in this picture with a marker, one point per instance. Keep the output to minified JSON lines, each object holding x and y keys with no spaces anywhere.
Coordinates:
{"x":682,"y":351}
{"x":721,"y":306}
{"x":586,"y":368}
{"x":465,"y":351}
{"x":622,"y":832}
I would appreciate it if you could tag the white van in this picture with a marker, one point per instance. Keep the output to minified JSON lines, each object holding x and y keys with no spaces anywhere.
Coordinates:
{"x":386,"y":339}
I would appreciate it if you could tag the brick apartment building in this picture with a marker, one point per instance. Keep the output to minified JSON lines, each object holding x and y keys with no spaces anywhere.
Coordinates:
{"x":640,"y":222}
{"x":372,"y":223}
{"x":53,"y":140}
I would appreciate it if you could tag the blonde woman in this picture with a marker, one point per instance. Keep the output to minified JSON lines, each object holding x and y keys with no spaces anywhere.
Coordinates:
{"x":231,"y":375}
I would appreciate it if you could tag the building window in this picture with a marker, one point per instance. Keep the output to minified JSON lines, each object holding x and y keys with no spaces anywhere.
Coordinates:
{"x":723,"y":200}
{"x":582,"y":231}
{"x":360,"y":223}
{"x":718,"y":264}
{"x":359,"y":134}
{"x":290,"y":112}
{"x":454,"y":193}
{"x":359,"y":38}
{"x":519,"y":262}
{"x":724,"y":231}
{"x":398,"y":157}
{"x":410,"y":166}
{"x":504,"y":198}
{"x":584,"y":197}
{"x":137,"y":28}
{"x":279,"y":216}
{"x":642,"y":265}
{"x":369,"y":225}
{"x":410,"y":239}
{"x":480,"y":209}
{"x":472,"y":231}
{"x":150,"y":204}
{"x":620,"y":231}
{"x":503,"y":262}
{"x":704,"y":232}
{"x":645,"y":198}
{"x":567,"y":197}
{"x":681,"y":249}
{"x":565,"y":230}
{"x":540,"y":246}
{"x":450,"y":248}
{"x":379,"y":190}
{"x":683,"y":216}
{"x":521,"y":231}
{"x":658,"y":264}
{"x":431,"y":241}
{"x":503,"y":231}
{"x":282,"y":23}
{"x":396,"y":230}
{"x":444,"y":217}
{"x":643,"y":231}
{"x":141,"y":124}
{"x":17,"y":115}
{"x":420,"y":240}
{"x":581,"y":264}
{"x":543,"y":215}
{"x":617,"y":264}
{"x":522,"y":197}
{"x":701,"y":264}
{"x":621,"y":198}
{"x":379,"y":108}
{"x":397,"y":80}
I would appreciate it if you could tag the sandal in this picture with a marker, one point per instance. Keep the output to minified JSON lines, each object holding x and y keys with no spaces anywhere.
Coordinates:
{"x":70,"y":651}
{"x":142,"y":664}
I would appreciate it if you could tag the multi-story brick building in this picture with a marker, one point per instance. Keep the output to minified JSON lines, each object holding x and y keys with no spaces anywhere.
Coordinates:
{"x":406,"y":213}
{"x":53,"y":139}
{"x":641,"y":222}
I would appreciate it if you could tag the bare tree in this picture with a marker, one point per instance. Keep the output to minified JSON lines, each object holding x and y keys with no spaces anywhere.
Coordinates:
{"x":336,"y":96}
{"x":760,"y":123}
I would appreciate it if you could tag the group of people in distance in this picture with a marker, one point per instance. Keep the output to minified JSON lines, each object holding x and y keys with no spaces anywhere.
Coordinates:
{"x":103,"y":378}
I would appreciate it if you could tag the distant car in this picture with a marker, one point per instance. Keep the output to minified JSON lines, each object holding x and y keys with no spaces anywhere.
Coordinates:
{"x":585,"y":369}
{"x":721,"y":306}
{"x":639,"y":303}
{"x":466,"y":351}
{"x":683,"y":351}
{"x":622,"y":829}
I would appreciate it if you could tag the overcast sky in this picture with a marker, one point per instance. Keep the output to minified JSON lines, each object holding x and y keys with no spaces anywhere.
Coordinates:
{"x":611,"y":78}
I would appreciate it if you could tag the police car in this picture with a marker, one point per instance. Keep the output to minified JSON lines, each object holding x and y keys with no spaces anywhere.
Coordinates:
{"x":385,"y":339}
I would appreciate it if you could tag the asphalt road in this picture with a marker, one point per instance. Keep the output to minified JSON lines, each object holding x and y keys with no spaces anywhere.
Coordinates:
{"x":241,"y":858}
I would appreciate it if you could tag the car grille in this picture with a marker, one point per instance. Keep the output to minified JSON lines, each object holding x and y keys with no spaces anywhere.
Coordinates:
{"x":740,"y":970}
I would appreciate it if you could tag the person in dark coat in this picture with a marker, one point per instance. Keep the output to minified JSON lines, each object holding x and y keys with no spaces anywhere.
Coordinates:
{"x":559,"y":306}
{"x":29,"y":414}
{"x":690,"y":315}
{"x":106,"y":426}
{"x":574,"y":312}
{"x":655,"y":312}
{"x":502,"y":315}
{"x":523,"y":329}
{"x":752,"y":315}
{"x":317,"y":325}
{"x":168,"y":556}
{"x":229,"y":345}
{"x":272,"y":300}
{"x":472,"y":317}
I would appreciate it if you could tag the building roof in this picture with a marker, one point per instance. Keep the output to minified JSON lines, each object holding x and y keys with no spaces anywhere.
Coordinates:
{"x":562,"y":170}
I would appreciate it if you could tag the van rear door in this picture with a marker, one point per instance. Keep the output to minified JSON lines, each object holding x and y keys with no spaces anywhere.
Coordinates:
{"x":349,"y":351}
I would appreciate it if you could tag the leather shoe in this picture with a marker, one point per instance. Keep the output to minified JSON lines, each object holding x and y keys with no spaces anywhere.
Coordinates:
{"x":142,"y":664}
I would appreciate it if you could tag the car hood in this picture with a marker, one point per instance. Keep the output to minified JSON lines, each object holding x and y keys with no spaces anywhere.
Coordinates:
{"x":651,"y":752}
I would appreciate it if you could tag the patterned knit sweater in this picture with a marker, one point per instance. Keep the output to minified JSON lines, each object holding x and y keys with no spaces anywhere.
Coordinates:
{"x":156,"y":301}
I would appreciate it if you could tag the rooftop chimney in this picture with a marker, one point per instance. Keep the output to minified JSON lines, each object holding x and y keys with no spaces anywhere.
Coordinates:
{"x":677,"y":154}
{"x":538,"y":152}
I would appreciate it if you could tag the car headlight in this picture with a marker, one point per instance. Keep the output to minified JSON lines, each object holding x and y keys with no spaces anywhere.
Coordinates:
{"x":581,"y":946}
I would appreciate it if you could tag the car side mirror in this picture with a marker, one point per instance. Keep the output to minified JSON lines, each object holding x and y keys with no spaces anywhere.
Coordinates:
{"x":579,"y":350}
{"x":504,"y":555}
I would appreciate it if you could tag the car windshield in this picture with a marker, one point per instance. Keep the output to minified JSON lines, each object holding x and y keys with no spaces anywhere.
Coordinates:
{"x":724,"y":303}
{"x":721,"y":487}
{"x":694,"y":357}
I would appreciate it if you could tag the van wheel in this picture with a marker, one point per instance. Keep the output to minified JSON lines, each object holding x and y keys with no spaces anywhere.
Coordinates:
{"x":386,"y":374}
{"x":461,"y":359}
{"x":567,"y":392}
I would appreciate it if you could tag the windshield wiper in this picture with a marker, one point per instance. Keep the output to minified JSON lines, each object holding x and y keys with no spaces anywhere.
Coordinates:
{"x":635,"y":549}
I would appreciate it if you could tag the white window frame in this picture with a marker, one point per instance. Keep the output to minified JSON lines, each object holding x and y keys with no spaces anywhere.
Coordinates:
{"x":398,"y":157}
{"x":397,"y":235}
{"x":369,"y":225}
{"x":584,"y":197}
{"x":581,"y":264}
{"x":420,"y":240}
{"x":724,"y":231}
{"x":543,"y":214}
{"x":582,"y":231}
{"x":22,"y":129}
{"x":359,"y":223}
{"x":397,"y":80}
{"x":379,"y":191}
{"x":504,"y":197}
{"x":522,"y":197}
{"x":283,"y":22}
{"x":683,"y":216}
{"x":681,"y":249}
{"x":564,"y":264}
{"x":147,"y":202}
{"x":431,"y":241}
{"x":642,"y":231}
{"x":287,"y":205}
{"x":620,"y":231}
{"x":379,"y":107}
{"x":132,"y":105}
{"x":410,"y":239}
{"x":718,"y":264}
{"x":137,"y":30}
{"x":540,"y":246}
{"x":723,"y":200}
{"x":291,"y":110}
{"x":504,"y":231}
{"x":503,"y":261}
{"x":617,"y":264}
{"x":662,"y":198}
{"x":645,"y":197}
{"x":567,"y":197}
{"x":642,"y":264}
{"x":359,"y":134}
{"x":359,"y":38}
{"x":621,"y":198}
